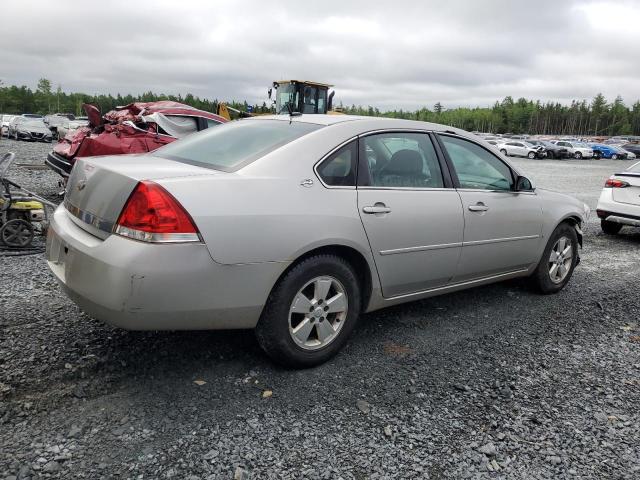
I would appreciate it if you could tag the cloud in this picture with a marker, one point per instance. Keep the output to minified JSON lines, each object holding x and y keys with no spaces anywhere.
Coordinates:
{"x":390,"y":55}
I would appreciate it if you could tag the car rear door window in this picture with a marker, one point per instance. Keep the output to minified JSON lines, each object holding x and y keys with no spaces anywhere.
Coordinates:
{"x":476,"y":167}
{"x":402,"y":160}
{"x":339,"y":168}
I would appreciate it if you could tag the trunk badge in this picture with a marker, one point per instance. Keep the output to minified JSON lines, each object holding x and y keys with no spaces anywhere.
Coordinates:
{"x":80,"y":186}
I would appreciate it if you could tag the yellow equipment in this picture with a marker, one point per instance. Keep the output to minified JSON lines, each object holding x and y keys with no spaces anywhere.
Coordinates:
{"x":20,"y":209}
{"x":302,"y":96}
{"x":293,"y":97}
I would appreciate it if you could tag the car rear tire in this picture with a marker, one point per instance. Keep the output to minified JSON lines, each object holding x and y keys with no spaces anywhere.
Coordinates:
{"x":610,"y":228}
{"x":531,"y":155}
{"x":578,"y":155}
{"x":504,"y":152}
{"x":558,"y":261}
{"x":311,"y":312}
{"x":614,"y":157}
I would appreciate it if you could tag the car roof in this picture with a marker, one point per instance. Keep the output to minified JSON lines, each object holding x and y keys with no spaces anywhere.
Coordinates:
{"x":364,"y":121}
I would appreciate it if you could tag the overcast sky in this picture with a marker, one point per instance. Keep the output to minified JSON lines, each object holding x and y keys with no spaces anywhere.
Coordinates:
{"x":388,"y":54}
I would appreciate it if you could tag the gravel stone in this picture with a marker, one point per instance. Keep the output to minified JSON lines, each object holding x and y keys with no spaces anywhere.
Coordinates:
{"x":553,"y":379}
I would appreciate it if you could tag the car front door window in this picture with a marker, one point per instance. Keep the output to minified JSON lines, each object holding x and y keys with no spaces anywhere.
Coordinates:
{"x":476,"y":167}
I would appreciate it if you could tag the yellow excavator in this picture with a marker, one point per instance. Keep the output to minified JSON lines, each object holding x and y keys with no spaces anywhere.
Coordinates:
{"x":293,"y":97}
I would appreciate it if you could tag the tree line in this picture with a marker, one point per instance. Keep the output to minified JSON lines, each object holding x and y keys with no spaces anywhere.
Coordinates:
{"x":597,"y":117}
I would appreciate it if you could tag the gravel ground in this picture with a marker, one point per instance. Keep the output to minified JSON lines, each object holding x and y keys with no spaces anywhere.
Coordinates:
{"x":494,"y":382}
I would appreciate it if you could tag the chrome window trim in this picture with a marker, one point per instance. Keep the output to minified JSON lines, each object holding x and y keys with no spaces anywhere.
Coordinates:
{"x":416,"y":189}
{"x":510,"y":192}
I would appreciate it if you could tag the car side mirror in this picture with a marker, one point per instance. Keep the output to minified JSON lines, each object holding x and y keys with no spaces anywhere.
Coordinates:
{"x":523,"y":184}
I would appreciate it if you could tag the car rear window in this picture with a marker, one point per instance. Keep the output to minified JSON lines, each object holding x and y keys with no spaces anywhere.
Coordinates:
{"x":233,"y":145}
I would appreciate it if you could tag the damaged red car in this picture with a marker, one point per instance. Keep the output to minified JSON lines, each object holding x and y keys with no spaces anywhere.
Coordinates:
{"x":135,"y":128}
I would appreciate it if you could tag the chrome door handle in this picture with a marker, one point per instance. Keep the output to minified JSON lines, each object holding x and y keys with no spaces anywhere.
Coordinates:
{"x":478,"y":207}
{"x":377,"y":208}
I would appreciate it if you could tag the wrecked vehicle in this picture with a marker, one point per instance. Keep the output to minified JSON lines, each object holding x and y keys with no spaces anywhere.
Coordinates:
{"x":135,"y":128}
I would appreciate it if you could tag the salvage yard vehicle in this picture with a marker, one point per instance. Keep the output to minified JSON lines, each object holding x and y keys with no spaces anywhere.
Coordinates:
{"x":70,"y":125}
{"x":294,"y":225}
{"x":55,"y":120}
{"x":577,"y":150}
{"x":552,"y":150}
{"x":632,"y":147}
{"x":30,"y":129}
{"x":135,"y":128}
{"x":4,"y":124}
{"x":513,"y":148}
{"x":619,"y":202}
{"x":601,"y":150}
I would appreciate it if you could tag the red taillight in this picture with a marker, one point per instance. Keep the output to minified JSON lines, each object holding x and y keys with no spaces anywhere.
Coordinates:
{"x":152,"y":214}
{"x":615,"y":183}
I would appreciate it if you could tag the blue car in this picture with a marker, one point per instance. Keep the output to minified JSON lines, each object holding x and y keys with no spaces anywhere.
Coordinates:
{"x":601,"y":150}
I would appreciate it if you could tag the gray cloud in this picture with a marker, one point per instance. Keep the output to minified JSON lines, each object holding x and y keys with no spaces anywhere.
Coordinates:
{"x":390,"y":55}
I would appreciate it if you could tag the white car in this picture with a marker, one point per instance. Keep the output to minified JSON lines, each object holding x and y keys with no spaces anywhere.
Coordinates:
{"x":4,"y":124}
{"x":576,"y":149}
{"x":520,"y":148}
{"x":619,"y":203}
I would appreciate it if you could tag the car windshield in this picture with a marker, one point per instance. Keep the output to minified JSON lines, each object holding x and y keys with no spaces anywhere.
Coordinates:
{"x":235,"y":144}
{"x":580,"y":145}
{"x":33,"y":122}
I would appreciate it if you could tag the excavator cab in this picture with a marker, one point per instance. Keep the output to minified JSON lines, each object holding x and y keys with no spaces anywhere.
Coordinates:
{"x":302,"y":97}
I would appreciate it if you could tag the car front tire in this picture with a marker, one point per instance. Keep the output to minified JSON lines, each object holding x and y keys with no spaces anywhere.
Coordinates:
{"x":531,"y":155}
{"x":558,"y":261}
{"x":311,"y":312}
{"x":614,"y":157}
{"x":610,"y":228}
{"x":578,"y":155}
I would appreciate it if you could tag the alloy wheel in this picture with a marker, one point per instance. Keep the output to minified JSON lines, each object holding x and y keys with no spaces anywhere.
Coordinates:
{"x":560,"y":260}
{"x":318,"y":312}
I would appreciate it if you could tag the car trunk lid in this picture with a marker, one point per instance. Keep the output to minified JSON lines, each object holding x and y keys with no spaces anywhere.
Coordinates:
{"x":99,"y":187}
{"x":630,"y":194}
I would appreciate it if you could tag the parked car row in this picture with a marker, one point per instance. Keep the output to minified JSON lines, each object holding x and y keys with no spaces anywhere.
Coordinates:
{"x":616,"y":148}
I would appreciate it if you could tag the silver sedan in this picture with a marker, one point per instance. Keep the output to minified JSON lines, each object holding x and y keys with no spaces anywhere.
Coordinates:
{"x":296,"y":225}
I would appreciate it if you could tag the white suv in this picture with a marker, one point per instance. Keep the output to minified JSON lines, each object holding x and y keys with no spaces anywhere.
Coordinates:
{"x":577,"y":149}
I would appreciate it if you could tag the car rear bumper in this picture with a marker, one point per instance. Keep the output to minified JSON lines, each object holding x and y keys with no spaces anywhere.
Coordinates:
{"x":140,"y":286}
{"x":58,"y":164}
{"x":617,"y":212}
